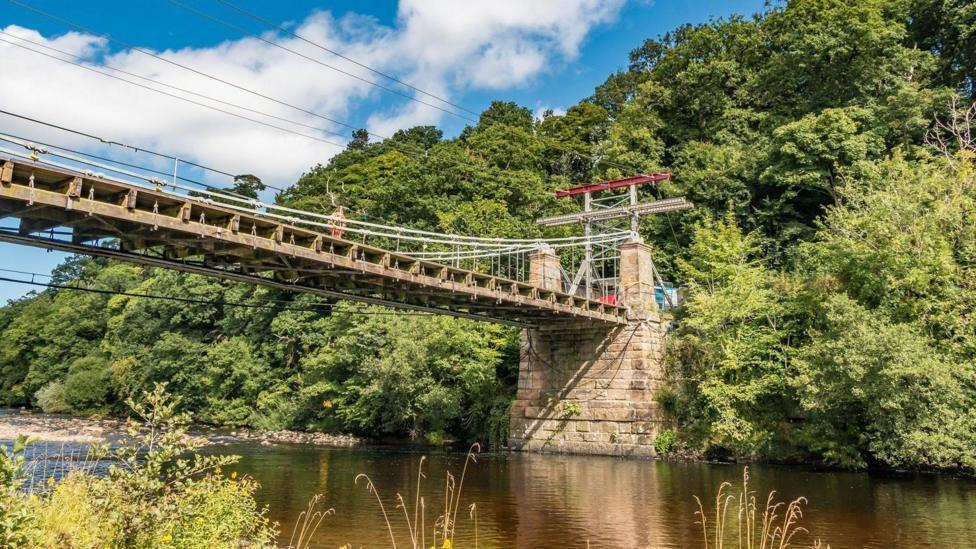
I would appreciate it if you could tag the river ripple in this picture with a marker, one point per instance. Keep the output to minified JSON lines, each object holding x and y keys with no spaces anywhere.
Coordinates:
{"x":526,"y":500}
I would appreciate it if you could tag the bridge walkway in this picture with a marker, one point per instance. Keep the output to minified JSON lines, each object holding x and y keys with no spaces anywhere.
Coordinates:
{"x":61,"y":208}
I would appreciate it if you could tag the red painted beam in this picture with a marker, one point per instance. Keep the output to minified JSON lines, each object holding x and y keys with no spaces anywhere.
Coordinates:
{"x":615,"y":184}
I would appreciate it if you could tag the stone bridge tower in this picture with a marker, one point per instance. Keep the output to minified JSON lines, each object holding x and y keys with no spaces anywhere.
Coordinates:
{"x":588,"y":388}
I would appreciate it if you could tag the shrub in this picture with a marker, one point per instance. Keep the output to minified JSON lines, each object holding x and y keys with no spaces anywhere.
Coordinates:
{"x":434,"y":438}
{"x":16,"y":520}
{"x":499,"y":422}
{"x":877,"y":390}
{"x":87,"y":511}
{"x":159,"y":492}
{"x":88,"y":386}
{"x":664,"y":442}
{"x":70,"y":516}
{"x":51,"y":398}
{"x":669,"y":399}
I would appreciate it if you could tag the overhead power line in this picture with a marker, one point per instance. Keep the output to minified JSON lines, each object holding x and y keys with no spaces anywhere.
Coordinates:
{"x":198,"y":72}
{"x":202,"y":14}
{"x":125,"y":146}
{"x":80,"y":63}
{"x":81,"y":59}
{"x":188,"y":100}
{"x":559,"y":146}
{"x":111,"y":142}
{"x":401,"y":147}
{"x":280,"y":28}
{"x":245,"y":32}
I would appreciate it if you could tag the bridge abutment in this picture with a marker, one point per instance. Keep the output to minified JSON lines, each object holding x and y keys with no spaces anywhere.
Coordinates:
{"x":588,"y":388}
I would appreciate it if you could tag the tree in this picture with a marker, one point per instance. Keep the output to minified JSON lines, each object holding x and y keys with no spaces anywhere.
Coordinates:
{"x":360,"y":139}
{"x":247,"y":185}
{"x":830,"y":244}
{"x":818,"y":152}
{"x":880,"y":392}
{"x":569,"y":140}
{"x":733,"y":344}
{"x":947,"y":28}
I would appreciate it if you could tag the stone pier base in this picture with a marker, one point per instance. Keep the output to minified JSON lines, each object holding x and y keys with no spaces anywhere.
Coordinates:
{"x":588,"y":388}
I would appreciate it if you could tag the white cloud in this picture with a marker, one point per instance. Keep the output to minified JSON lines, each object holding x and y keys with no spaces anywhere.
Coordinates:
{"x":441,"y":46}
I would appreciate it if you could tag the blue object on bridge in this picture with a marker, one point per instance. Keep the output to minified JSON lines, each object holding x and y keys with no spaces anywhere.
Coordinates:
{"x":672,"y":296}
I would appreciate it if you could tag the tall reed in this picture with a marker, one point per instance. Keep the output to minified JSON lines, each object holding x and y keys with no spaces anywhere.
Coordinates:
{"x":444,"y":526}
{"x":776,"y":530}
{"x":308,"y":523}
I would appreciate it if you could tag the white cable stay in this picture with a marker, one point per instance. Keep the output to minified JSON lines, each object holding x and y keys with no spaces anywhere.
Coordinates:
{"x":475,"y":254}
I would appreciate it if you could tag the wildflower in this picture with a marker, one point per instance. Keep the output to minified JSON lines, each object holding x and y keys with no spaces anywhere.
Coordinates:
{"x":50,"y":481}
{"x":233,"y":475}
{"x":327,"y":404}
{"x":447,"y":544}
{"x":199,"y":520}
{"x":166,"y":538}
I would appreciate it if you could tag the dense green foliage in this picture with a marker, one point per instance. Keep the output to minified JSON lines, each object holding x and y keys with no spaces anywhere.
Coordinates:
{"x":829,"y":262}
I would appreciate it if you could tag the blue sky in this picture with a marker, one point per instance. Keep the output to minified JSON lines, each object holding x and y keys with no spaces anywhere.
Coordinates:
{"x":538,"y":54}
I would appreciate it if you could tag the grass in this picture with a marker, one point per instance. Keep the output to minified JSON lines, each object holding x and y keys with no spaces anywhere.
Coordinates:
{"x":308,"y":523}
{"x":776,"y":525}
{"x":775,"y":528}
{"x":444,"y":526}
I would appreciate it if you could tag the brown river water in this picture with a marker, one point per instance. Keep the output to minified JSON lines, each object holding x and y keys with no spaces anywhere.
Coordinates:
{"x":542,"y":501}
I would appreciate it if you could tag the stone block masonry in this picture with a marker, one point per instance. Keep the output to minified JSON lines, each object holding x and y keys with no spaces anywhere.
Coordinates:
{"x":588,"y":388}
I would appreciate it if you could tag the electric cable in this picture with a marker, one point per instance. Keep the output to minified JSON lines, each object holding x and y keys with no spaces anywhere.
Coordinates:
{"x":280,"y":28}
{"x":143,"y":51}
{"x":409,"y":151}
{"x":81,"y":59}
{"x":219,"y":21}
{"x":204,"y":105}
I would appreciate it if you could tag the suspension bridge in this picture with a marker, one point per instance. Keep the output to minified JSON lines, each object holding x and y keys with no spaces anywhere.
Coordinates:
{"x":61,"y":203}
{"x":588,"y":305}
{"x":592,"y":333}
{"x":223,"y":236}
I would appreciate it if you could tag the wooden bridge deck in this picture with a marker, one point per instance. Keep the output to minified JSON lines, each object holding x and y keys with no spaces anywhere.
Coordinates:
{"x":140,"y":224}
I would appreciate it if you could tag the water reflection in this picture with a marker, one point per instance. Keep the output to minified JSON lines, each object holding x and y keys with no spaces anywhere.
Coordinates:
{"x":567,"y":501}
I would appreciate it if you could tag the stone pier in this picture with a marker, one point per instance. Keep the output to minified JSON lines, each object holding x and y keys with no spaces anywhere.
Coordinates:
{"x":588,"y":388}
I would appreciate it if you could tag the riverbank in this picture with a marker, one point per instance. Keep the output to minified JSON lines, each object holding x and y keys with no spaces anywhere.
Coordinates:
{"x":58,"y":428}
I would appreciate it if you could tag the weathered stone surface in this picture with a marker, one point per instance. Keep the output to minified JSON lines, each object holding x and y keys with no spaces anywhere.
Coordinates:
{"x":587,"y":387}
{"x":544,"y":269}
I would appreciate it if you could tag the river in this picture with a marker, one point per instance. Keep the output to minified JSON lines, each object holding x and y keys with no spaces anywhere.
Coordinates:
{"x":530,"y":500}
{"x":543,"y":501}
